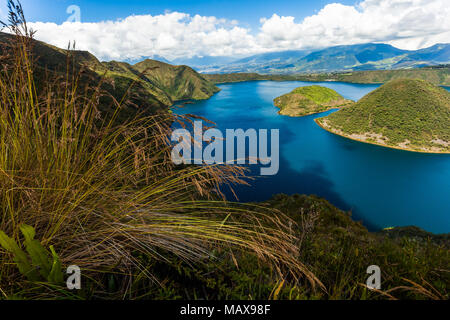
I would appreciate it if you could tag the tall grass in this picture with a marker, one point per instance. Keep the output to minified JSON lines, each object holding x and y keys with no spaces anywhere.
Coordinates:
{"x":105,"y":193}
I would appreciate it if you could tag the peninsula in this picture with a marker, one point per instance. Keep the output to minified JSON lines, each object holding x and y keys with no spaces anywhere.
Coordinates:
{"x":411,"y":115}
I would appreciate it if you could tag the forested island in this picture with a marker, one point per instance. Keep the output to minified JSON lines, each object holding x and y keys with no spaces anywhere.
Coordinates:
{"x":309,"y":100}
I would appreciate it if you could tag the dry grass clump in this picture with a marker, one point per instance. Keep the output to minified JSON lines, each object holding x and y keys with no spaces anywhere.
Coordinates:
{"x":104,"y":193}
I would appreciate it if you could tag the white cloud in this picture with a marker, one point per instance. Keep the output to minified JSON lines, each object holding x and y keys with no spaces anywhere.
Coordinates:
{"x":409,"y":24}
{"x":170,"y":35}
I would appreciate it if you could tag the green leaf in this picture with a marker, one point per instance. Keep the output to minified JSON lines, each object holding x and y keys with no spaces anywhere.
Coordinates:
{"x":39,"y":256}
{"x":20,"y":257}
{"x":56,"y":275}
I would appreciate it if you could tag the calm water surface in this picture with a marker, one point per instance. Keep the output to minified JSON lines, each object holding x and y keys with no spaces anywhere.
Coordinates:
{"x":383,"y":187}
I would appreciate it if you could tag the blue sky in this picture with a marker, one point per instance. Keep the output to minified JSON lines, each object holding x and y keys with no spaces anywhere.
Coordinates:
{"x":248,"y":12}
{"x":132,"y":29}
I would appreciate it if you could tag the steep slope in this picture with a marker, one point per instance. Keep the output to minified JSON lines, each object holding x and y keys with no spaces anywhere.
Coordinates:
{"x":179,"y":82}
{"x":405,"y":114}
{"x":304,"y":101}
{"x":159,"y":87}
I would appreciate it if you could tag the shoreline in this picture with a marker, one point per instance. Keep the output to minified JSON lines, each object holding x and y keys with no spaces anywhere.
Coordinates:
{"x":376,"y":144}
{"x":309,"y":114}
{"x":295,"y":78}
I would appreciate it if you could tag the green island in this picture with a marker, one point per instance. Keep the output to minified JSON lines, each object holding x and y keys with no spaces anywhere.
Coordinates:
{"x":411,"y":115}
{"x":309,"y":100}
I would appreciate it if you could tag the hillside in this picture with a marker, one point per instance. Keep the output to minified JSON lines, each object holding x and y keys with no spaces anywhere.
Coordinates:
{"x":179,"y":82}
{"x":155,"y":84}
{"x":361,"y":57}
{"x":334,"y":247}
{"x":309,"y":100}
{"x":404,"y":114}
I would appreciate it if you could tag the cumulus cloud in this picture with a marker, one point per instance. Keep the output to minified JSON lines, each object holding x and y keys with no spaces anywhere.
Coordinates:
{"x":171,"y":35}
{"x":408,"y":24}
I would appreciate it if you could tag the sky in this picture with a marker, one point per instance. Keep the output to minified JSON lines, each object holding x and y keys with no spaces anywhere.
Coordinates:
{"x":132,"y":29}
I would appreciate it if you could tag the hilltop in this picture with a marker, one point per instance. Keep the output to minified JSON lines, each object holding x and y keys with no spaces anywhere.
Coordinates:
{"x":405,"y":114}
{"x":179,"y":82}
{"x":304,"y":101}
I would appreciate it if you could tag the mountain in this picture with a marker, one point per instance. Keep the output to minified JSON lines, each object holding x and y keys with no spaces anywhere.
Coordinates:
{"x":273,"y":57}
{"x":265,"y":62}
{"x":340,"y":58}
{"x":309,"y":100}
{"x":178,"y":82}
{"x":404,"y":114}
{"x":153,"y":57}
{"x":154,"y":85}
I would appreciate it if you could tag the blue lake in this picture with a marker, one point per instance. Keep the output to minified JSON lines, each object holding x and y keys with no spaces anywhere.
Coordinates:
{"x":382,"y":187}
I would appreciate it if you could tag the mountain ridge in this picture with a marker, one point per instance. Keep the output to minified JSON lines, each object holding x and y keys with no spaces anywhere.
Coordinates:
{"x":151,"y":87}
{"x":359,"y":57}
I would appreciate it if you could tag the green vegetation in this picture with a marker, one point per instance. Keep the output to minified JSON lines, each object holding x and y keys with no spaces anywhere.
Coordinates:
{"x":304,"y":101}
{"x":105,"y":195}
{"x":155,"y":85}
{"x":242,"y":77}
{"x":78,"y":187}
{"x":335,"y":248}
{"x":406,"y":114}
{"x":437,"y":75}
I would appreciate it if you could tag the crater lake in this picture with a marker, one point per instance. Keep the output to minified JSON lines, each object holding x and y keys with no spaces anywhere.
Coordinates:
{"x":382,"y":187}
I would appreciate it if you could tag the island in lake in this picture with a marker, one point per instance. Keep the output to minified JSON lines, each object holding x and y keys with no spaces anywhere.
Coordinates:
{"x":411,"y":115}
{"x":309,"y":100}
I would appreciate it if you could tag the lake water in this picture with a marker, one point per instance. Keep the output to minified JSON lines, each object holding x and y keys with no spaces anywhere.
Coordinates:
{"x":383,"y":187}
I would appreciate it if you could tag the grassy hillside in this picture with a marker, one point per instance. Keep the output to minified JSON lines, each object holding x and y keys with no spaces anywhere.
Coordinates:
{"x":304,"y":101}
{"x":406,"y":114}
{"x":155,"y":85}
{"x":336,"y":248}
{"x":179,"y":82}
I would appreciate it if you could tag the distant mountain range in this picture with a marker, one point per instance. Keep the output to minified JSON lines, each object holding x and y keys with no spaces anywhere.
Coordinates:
{"x":335,"y":59}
